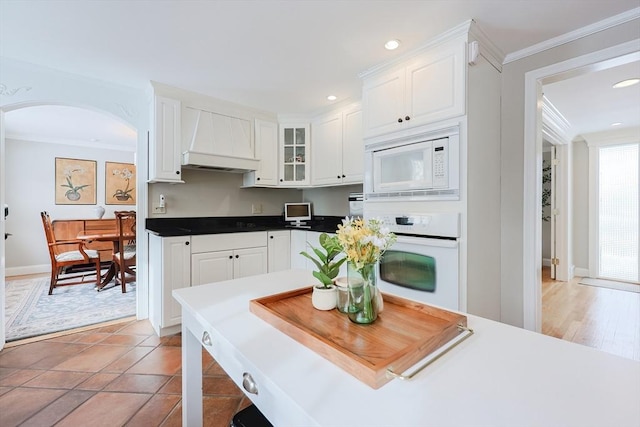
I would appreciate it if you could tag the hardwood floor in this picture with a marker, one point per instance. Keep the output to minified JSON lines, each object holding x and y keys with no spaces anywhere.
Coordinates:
{"x":602,"y":318}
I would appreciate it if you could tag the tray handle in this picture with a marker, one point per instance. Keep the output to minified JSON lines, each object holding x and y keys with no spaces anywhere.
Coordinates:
{"x":468,"y":332}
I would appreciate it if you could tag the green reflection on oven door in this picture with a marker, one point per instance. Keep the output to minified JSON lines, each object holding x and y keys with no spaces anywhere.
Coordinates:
{"x":408,"y":269}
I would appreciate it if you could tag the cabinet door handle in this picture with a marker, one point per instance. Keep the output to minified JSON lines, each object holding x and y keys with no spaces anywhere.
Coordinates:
{"x":280,"y":179}
{"x":271,"y":237}
{"x":186,"y":243}
{"x":400,"y":120}
{"x":206,"y":339}
{"x":343,"y":176}
{"x":237,"y":256}
{"x":407,"y":118}
{"x":258,"y":179}
{"x":338,"y":177}
{"x":177,"y":172}
{"x":230,"y":256}
{"x":249,"y":384}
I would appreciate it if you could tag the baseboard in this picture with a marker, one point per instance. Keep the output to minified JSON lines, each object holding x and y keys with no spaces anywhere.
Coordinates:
{"x":546,"y":262}
{"x":28,"y":269}
{"x":581,"y":272}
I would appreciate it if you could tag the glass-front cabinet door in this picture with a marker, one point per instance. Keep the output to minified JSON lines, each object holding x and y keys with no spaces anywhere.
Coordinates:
{"x":294,"y":152}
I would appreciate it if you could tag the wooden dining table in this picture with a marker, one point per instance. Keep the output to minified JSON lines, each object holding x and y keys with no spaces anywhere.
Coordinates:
{"x":106,"y":236}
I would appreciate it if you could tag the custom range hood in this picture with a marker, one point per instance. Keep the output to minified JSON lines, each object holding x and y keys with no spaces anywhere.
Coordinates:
{"x":217,"y":142}
{"x":195,"y":160}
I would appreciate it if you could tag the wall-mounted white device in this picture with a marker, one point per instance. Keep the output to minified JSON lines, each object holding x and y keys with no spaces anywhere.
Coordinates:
{"x":160,"y":207}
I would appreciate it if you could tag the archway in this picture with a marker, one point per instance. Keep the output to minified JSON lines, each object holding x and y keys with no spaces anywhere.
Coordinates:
{"x":34,"y":134}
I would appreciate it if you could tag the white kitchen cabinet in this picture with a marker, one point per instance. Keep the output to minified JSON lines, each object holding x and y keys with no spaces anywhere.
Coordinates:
{"x":210,"y":267}
{"x":337,"y":148}
{"x":170,"y":258}
{"x":294,"y":155}
{"x":279,"y":246}
{"x":298,"y":244}
{"x":352,"y":146}
{"x":217,"y":257}
{"x":266,"y":143}
{"x":164,"y":144}
{"x":428,"y":88}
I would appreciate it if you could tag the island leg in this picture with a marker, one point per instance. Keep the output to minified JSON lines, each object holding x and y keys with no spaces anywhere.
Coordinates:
{"x":191,"y":377}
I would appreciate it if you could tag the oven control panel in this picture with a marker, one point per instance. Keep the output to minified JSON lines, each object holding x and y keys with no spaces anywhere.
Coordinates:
{"x":438,"y":224}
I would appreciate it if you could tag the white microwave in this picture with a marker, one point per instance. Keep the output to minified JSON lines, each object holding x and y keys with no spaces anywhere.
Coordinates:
{"x":416,"y":169}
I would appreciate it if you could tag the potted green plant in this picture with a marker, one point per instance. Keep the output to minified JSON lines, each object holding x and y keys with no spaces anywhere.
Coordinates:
{"x":324,"y":295}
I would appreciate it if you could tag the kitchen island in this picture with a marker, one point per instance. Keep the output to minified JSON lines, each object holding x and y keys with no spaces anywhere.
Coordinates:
{"x":500,"y":376}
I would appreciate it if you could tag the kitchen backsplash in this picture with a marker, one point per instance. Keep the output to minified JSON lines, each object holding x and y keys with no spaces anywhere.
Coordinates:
{"x":208,"y":193}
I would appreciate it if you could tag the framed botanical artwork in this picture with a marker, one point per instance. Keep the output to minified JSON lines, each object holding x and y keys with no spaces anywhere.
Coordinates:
{"x":75,"y":181}
{"x":120,"y":183}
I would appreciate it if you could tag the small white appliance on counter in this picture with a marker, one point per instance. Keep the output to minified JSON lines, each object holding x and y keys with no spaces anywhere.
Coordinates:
{"x":419,"y":167}
{"x":297,"y":214}
{"x":423,"y":263}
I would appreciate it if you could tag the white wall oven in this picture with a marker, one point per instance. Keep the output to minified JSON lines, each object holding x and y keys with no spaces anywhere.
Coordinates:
{"x":423,"y":264}
{"x":419,"y":167}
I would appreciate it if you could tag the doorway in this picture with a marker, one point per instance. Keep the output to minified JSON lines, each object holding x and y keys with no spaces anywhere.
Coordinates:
{"x":36,"y":139}
{"x":534,"y":81}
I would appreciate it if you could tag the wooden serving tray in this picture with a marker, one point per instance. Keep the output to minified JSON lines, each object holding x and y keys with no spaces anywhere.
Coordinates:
{"x":404,"y":333}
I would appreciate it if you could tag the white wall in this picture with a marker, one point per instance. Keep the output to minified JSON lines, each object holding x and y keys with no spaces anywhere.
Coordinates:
{"x":331,"y":201}
{"x":29,"y":174}
{"x":512,"y":155}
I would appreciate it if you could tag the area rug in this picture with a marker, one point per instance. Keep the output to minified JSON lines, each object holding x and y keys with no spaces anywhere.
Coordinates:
{"x":30,"y":311}
{"x":621,"y":286}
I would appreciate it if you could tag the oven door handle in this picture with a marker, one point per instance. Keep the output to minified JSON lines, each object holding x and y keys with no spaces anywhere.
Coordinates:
{"x":426,"y":241}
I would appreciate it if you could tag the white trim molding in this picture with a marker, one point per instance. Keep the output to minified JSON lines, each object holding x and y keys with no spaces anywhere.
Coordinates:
{"x":555,"y":127}
{"x":610,"y":22}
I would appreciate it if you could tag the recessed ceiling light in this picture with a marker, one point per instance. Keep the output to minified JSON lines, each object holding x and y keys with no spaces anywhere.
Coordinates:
{"x":616,"y":124}
{"x":392,"y":44}
{"x":332,"y":97}
{"x":626,"y":83}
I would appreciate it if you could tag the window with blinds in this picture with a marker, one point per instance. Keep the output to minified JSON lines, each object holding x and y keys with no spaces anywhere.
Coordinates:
{"x":618,"y":212}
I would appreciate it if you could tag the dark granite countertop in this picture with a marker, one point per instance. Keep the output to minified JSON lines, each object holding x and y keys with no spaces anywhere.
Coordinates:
{"x":191,"y":226}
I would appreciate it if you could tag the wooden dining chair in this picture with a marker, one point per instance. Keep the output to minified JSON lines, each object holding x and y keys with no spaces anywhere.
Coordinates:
{"x":124,"y":252}
{"x":65,"y":254}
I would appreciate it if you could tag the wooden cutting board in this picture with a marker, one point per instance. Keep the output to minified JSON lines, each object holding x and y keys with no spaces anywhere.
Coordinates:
{"x":404,"y":333}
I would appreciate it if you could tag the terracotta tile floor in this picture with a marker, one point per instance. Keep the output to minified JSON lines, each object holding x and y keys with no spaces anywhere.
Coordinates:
{"x":117,"y":375}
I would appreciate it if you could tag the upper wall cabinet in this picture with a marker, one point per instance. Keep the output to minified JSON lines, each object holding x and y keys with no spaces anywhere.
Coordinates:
{"x":266,"y":137}
{"x":337,"y":148}
{"x":164,"y":144}
{"x":427,"y":88}
{"x":294,"y":154}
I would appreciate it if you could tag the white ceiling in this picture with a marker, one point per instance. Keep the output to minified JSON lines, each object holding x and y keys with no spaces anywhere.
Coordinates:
{"x":280,"y":56}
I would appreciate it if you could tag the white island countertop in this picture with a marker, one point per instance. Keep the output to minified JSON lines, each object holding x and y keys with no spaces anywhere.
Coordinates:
{"x":500,"y":376}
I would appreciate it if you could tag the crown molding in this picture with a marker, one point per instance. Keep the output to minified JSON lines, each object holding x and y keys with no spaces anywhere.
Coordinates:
{"x":457,"y":31}
{"x":610,"y":22}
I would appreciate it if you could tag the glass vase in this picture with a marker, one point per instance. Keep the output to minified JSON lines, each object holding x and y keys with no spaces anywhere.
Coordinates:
{"x":363,"y":294}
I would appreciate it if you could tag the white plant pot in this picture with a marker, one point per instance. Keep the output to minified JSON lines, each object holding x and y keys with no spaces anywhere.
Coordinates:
{"x":324,"y":298}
